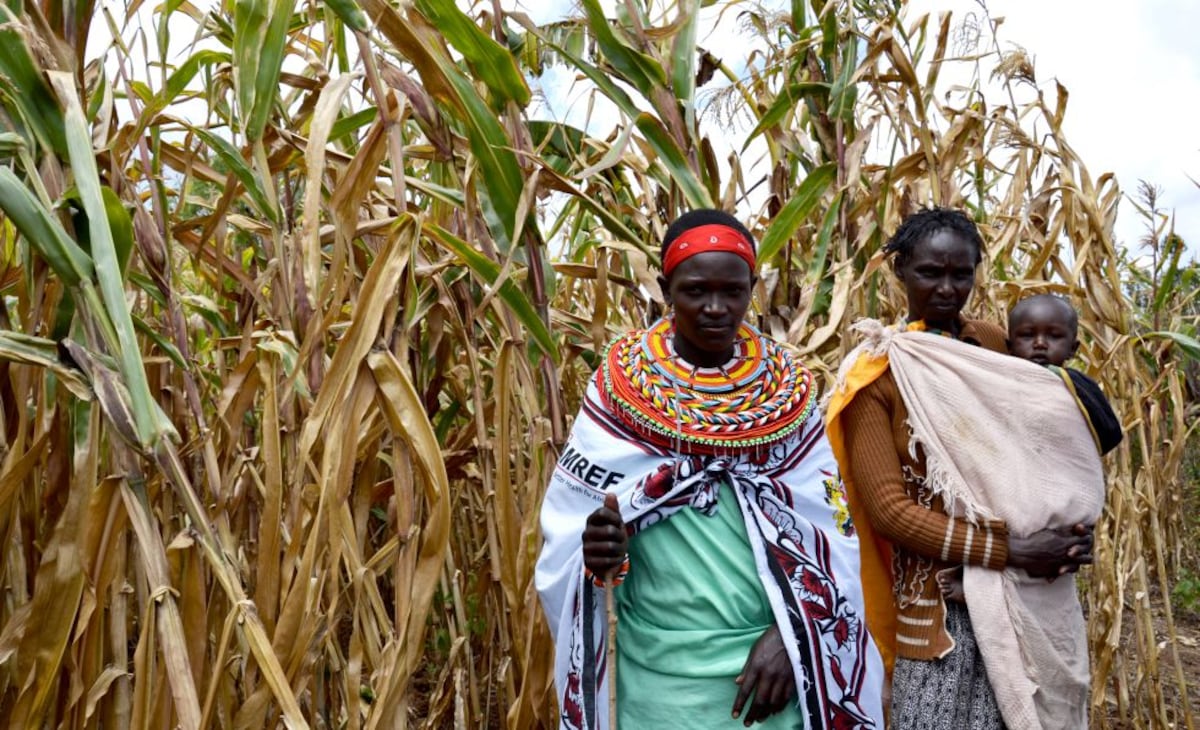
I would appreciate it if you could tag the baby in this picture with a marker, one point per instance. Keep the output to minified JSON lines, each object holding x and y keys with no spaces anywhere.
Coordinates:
{"x":1044,"y":329}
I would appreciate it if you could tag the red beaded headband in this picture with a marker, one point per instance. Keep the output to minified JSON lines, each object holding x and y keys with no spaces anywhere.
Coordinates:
{"x":702,"y":239}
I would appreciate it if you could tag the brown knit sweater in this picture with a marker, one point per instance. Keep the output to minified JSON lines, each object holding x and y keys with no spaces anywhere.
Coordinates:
{"x":924,"y":539}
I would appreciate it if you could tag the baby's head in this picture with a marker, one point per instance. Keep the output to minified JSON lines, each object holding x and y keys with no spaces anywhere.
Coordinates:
{"x":1043,"y":328}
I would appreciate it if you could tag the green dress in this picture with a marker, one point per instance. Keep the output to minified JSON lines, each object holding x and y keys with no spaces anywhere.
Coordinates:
{"x":689,"y":612}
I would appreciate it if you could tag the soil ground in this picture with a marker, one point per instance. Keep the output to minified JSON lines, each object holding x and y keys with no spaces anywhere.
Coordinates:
{"x":1186,"y":608}
{"x":1187,"y":628}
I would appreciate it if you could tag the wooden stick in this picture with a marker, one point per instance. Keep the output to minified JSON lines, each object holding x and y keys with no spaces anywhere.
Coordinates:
{"x":610,"y":608}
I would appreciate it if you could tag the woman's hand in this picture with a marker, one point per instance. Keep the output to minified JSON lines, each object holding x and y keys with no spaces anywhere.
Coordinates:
{"x":1052,"y":552}
{"x":768,"y":674}
{"x":604,"y":540}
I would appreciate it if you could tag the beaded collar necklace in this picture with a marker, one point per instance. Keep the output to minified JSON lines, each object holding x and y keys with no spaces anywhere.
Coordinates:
{"x":758,"y":398}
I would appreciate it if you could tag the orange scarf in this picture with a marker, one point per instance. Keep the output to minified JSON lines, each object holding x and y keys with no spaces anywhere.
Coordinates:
{"x":875,"y":552}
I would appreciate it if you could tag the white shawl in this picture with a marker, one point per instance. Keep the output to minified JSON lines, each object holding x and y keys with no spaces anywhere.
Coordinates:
{"x":809,"y":569}
{"x":1006,"y":439}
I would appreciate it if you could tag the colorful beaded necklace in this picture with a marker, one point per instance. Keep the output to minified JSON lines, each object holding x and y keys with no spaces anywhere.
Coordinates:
{"x":758,"y":398}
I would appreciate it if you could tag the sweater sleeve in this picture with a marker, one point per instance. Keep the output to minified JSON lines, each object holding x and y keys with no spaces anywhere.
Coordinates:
{"x":875,"y":467}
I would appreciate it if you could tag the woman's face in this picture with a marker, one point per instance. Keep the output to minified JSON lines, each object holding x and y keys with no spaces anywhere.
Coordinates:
{"x":938,"y":277}
{"x":711,"y":293}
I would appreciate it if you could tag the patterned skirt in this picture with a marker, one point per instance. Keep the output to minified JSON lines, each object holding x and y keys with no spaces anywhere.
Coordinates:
{"x":952,"y":693}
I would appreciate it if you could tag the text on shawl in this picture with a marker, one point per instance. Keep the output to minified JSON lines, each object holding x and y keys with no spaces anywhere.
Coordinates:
{"x":594,"y":475}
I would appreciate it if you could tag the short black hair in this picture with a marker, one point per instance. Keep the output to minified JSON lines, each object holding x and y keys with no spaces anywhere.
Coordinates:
{"x":924,"y":223}
{"x":703,"y":217}
{"x":1019,"y":308}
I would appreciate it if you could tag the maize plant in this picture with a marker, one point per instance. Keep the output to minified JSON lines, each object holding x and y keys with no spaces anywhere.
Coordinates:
{"x":298,"y":299}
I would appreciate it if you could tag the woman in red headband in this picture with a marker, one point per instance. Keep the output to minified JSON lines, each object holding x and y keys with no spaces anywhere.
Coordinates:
{"x":709,"y":502}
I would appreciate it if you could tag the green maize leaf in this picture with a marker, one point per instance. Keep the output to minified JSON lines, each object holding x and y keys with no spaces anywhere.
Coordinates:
{"x":449,"y":196}
{"x":208,"y":311}
{"x":97,"y":97}
{"x":43,"y":231}
{"x":829,"y":38}
{"x":161,"y":342}
{"x":142,"y":91}
{"x":612,"y":222}
{"x":179,"y":79}
{"x":796,"y":210}
{"x":445,"y":420}
{"x":340,"y":44}
{"x":219,"y":25}
{"x":43,"y":353}
{"x":640,"y":70}
{"x":498,"y":169}
{"x":1190,"y":346}
{"x":64,"y":315}
{"x":601,"y":79}
{"x":674,"y":160}
{"x":236,"y":163}
{"x":488,"y":270}
{"x":349,"y":124}
{"x":260,"y":29}
{"x":798,"y":19}
{"x":784,"y":103}
{"x":683,"y":61}
{"x":1170,"y":277}
{"x":168,"y":8}
{"x":489,"y":61}
{"x":108,"y":271}
{"x":350,"y":14}
{"x":23,"y":90}
{"x":119,"y":222}
{"x":147,"y":285}
{"x":577,"y":42}
{"x":816,"y":264}
{"x":844,"y":94}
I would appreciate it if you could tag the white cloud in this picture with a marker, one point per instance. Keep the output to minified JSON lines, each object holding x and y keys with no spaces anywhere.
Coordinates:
{"x":543,"y":11}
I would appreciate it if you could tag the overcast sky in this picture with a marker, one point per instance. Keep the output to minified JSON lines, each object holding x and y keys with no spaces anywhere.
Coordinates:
{"x":1132,"y":70}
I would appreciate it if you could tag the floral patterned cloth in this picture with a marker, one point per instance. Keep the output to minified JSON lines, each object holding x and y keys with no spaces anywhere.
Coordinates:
{"x":952,"y":693}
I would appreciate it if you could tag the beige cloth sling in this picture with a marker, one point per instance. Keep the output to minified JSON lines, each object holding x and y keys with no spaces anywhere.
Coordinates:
{"x":1005,"y":438}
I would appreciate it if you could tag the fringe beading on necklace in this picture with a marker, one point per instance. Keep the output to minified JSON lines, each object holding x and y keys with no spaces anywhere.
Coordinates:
{"x":758,"y":398}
